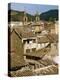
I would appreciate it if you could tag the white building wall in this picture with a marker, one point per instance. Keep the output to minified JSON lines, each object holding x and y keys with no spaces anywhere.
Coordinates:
{"x":15,"y":24}
{"x":30,"y":45}
{"x":42,"y":45}
{"x":34,"y":45}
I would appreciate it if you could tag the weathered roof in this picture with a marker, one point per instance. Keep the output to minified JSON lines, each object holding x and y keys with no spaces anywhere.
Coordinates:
{"x":19,"y":73}
{"x":49,"y":26}
{"x":27,"y":33}
{"x":48,"y":38}
{"x":43,"y":39}
{"x":24,"y":32}
{"x":46,"y":62}
{"x":53,"y":37}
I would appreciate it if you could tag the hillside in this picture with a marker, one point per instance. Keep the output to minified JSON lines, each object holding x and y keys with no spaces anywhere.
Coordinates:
{"x":18,"y":16}
{"x":50,"y":15}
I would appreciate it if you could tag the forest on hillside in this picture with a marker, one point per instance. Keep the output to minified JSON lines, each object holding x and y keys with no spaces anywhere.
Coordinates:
{"x":50,"y":15}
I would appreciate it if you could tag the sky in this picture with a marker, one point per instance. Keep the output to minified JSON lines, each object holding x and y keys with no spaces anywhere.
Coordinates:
{"x":32,"y":8}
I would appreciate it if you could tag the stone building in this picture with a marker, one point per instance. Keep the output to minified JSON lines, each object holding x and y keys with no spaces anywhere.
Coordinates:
{"x":15,"y":47}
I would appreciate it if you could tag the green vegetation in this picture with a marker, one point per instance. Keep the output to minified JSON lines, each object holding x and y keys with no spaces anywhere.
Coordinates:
{"x":50,"y":15}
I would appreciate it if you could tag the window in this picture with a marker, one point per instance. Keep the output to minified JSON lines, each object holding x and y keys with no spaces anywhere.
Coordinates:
{"x":28,"y":51}
{"x":28,"y":41}
{"x":34,"y":41}
{"x":33,"y":49}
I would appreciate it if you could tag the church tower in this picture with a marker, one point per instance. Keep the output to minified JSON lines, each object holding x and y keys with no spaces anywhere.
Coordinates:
{"x":37,"y":19}
{"x":25,"y":18}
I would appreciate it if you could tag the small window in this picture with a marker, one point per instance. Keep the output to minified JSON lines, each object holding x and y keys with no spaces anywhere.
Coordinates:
{"x":28,"y":51}
{"x":24,"y":41}
{"x":33,"y":49}
{"x":28,"y":41}
{"x":34,"y":41}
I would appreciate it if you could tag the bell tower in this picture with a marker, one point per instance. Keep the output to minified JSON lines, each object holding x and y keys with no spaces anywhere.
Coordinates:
{"x":37,"y":18}
{"x":25,"y":19}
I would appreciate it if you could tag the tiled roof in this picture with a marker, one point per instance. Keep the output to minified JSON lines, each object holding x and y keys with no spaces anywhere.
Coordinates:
{"x":53,"y":37}
{"x":43,"y":39}
{"x":24,"y":32}
{"x":27,"y":33}
{"x":48,"y":38}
